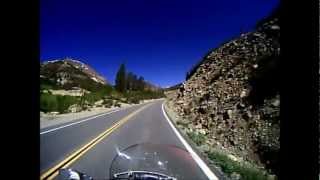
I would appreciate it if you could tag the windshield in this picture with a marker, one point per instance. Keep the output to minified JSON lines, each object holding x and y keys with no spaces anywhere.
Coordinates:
{"x":164,"y":159}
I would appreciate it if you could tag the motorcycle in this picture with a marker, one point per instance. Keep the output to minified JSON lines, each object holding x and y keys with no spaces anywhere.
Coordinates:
{"x":145,"y":162}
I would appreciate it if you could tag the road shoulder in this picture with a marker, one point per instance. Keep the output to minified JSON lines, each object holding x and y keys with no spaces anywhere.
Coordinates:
{"x":173,"y":117}
{"x":47,"y":121}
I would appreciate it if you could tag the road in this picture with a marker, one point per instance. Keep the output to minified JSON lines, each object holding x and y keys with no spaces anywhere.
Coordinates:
{"x":90,"y":145}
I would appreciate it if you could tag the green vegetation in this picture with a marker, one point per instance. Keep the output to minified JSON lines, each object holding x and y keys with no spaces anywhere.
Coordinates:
{"x":107,"y":103}
{"x":199,"y":139}
{"x":60,"y":103}
{"x":64,"y":102}
{"x":142,"y":95}
{"x":121,"y":79}
{"x":182,"y":123}
{"x":229,"y":166}
{"x":117,"y":104}
{"x":48,"y":102}
{"x":94,"y":96}
{"x":57,"y":103}
{"x":46,"y":84}
{"x":129,"y":81}
{"x":129,"y":88}
{"x":93,"y":86}
{"x":133,"y":100}
{"x":134,"y":88}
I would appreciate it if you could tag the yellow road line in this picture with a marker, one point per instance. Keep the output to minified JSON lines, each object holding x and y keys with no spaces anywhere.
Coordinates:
{"x":52,"y":172}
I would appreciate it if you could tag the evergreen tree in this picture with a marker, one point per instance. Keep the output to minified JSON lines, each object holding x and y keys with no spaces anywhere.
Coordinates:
{"x":134,"y":82}
{"x":130,"y":81}
{"x":120,"y":83}
{"x":141,"y":84}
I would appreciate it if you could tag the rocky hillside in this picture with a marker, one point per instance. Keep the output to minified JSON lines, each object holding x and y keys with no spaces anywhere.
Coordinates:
{"x":232,"y":97}
{"x":69,"y":73}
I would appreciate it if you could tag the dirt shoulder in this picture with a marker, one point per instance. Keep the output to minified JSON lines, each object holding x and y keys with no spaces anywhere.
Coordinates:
{"x":51,"y":119}
{"x":222,"y":162}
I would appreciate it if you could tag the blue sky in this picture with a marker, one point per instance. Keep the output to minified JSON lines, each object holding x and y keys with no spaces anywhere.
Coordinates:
{"x":158,"y":39}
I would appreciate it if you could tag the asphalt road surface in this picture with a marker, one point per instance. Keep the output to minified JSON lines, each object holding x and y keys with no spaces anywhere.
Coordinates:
{"x":90,"y":146}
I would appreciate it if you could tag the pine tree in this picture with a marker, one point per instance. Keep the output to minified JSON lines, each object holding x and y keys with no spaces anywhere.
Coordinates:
{"x":120,"y":83}
{"x":141,"y":83}
{"x":134,"y":82}
{"x":130,"y":81}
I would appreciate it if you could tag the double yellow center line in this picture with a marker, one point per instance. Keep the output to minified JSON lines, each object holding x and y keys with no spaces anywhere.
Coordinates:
{"x":53,"y":172}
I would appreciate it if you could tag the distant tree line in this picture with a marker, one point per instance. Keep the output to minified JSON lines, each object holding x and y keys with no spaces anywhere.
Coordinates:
{"x":135,"y":83}
{"x":128,"y":81}
{"x":129,"y":88}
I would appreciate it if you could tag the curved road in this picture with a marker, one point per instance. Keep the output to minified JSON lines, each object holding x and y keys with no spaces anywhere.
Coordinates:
{"x":90,"y":145}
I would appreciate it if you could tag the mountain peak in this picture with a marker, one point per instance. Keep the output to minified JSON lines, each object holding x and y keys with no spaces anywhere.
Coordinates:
{"x":68,"y":73}
{"x":85,"y":68}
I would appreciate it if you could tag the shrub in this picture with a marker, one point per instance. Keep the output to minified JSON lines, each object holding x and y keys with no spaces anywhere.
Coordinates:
{"x":64,"y":102}
{"x":133,"y":100}
{"x":85,"y":108}
{"x":117,"y":104}
{"x":183,"y":123}
{"x":49,"y":102}
{"x":107,"y":103}
{"x":115,"y":95}
{"x":229,"y":166}
{"x":46,"y":84}
{"x":104,"y":91}
{"x":123,"y":100}
{"x":135,"y":96}
{"x":199,"y":139}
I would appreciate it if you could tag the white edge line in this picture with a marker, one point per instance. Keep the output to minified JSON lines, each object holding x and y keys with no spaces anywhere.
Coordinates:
{"x":74,"y":123}
{"x":194,"y":155}
{"x":54,"y":129}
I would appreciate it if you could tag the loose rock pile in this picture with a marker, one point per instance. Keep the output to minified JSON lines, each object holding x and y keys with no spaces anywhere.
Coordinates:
{"x":233,"y":97}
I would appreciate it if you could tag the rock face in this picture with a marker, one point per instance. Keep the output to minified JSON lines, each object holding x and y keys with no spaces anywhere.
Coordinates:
{"x":233,"y":96}
{"x":87,"y":70}
{"x":73,"y":92}
{"x":69,"y":74}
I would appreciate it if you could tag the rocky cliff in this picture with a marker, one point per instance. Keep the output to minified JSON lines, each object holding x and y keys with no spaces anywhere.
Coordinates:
{"x":68,"y":74}
{"x":232,"y":97}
